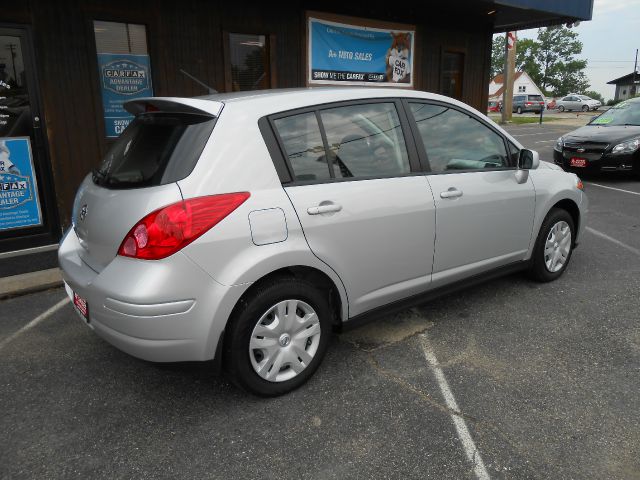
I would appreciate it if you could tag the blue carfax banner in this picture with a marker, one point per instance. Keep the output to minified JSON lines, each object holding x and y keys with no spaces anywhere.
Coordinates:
{"x":355,"y":55}
{"x":19,"y":205}
{"x":123,"y":77}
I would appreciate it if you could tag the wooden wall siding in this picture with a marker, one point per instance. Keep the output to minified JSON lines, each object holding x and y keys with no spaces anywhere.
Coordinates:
{"x":68,"y":104}
{"x":189,"y":34}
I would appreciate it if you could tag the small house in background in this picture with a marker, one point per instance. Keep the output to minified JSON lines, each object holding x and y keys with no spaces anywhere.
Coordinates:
{"x":522,"y":84}
{"x":625,"y":88}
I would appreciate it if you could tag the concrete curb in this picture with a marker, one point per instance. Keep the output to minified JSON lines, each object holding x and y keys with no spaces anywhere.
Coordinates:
{"x":30,"y":282}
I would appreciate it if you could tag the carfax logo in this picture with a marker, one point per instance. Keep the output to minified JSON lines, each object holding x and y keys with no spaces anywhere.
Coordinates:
{"x":125,"y":77}
{"x":15,"y":190}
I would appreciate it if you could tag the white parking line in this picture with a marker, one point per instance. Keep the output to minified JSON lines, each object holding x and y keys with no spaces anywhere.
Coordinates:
{"x":35,"y":321}
{"x":546,"y":141}
{"x":613,"y":240}
{"x":613,"y":188}
{"x":529,"y":134}
{"x":470,"y":449}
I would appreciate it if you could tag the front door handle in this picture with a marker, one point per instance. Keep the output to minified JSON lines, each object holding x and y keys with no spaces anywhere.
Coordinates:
{"x":328,"y":208}
{"x":451,"y":193}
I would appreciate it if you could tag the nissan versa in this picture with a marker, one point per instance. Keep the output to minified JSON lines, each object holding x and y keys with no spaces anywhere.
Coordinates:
{"x":244,"y":227}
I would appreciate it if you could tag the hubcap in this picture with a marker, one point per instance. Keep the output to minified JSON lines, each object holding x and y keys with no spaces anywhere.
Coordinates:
{"x":285,"y":340}
{"x":557,"y":246}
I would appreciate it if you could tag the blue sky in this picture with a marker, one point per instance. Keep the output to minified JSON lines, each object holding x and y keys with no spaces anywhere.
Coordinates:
{"x":609,"y":42}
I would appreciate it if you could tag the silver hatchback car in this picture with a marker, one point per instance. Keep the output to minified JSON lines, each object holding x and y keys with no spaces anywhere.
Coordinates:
{"x":246,"y":227}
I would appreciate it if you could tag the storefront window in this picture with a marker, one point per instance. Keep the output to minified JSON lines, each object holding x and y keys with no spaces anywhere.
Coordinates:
{"x":124,"y":70}
{"x":115,"y":37}
{"x":249,"y":61}
{"x":452,"y":70}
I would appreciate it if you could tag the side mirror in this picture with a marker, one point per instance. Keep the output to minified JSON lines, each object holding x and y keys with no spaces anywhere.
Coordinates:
{"x":528,"y":159}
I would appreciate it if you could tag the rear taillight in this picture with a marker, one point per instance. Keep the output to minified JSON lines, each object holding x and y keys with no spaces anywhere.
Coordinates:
{"x":528,"y":103}
{"x":171,"y":228}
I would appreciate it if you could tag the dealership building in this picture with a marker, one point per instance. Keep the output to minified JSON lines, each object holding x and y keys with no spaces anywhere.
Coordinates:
{"x":67,"y":66}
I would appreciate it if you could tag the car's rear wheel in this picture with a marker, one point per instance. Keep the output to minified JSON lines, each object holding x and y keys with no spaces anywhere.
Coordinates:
{"x":519,"y":110}
{"x":553,"y":247}
{"x":277,"y":337}
{"x":561,"y":108}
{"x":585,"y":108}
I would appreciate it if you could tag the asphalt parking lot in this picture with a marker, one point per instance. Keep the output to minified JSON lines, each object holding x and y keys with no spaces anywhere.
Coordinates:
{"x":509,"y":379}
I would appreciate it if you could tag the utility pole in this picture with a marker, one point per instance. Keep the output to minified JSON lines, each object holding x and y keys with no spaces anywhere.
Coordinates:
{"x":635,"y":69}
{"x":508,"y":76}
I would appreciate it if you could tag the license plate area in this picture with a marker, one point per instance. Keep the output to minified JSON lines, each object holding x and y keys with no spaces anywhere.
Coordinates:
{"x":81,"y":306}
{"x":578,"y":162}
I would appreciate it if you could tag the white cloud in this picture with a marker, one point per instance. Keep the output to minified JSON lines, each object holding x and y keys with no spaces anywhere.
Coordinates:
{"x":604,"y":7}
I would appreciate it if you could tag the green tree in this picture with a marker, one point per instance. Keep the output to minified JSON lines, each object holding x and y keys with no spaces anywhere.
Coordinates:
{"x":527,"y":51}
{"x":558,"y":69}
{"x":497,"y":56}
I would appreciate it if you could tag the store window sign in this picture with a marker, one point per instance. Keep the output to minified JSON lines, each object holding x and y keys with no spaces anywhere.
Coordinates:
{"x":354,"y":55}
{"x":19,"y":205}
{"x":123,"y":77}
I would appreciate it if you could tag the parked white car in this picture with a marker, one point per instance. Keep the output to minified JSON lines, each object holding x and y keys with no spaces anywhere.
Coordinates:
{"x":247,"y":226}
{"x":578,"y":102}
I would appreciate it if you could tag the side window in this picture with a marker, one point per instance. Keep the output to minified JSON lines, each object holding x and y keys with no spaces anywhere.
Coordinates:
{"x":454,"y":140}
{"x":365,"y":140}
{"x":566,"y":99}
{"x":302,"y":142}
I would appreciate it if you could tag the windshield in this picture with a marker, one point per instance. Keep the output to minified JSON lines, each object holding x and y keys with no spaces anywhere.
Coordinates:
{"x":155,"y":149}
{"x":624,"y":113}
{"x":535,"y":98}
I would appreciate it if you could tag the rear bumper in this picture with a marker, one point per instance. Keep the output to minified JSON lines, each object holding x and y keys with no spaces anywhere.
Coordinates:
{"x":163,"y":311}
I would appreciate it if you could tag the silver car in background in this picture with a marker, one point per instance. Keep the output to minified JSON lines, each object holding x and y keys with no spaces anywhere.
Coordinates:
{"x":245,"y":227}
{"x":578,"y":102}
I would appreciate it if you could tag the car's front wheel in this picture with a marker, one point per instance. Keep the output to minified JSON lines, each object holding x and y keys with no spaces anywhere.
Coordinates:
{"x":553,"y":247}
{"x":277,"y":336}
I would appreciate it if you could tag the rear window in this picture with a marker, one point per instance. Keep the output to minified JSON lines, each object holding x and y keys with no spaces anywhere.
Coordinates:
{"x":155,"y":149}
{"x":535,"y":98}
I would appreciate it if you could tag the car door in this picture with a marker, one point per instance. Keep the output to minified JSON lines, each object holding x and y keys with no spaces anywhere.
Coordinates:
{"x":574,"y":103}
{"x":364,"y":207}
{"x":484,"y":215}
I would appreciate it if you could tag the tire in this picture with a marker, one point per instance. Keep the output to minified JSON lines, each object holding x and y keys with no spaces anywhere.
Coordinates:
{"x":543,"y":268}
{"x":561,"y":108}
{"x":585,"y":108}
{"x":519,"y":110}
{"x":258,"y":314}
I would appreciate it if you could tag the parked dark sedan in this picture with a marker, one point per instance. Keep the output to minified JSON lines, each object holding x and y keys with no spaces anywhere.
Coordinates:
{"x":609,"y":142}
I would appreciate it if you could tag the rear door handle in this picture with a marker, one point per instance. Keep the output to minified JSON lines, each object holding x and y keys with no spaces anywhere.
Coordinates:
{"x":332,"y":207}
{"x":451,"y":193}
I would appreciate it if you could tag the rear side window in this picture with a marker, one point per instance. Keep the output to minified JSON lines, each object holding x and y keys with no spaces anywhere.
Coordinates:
{"x":365,"y":140}
{"x":454,"y":140}
{"x":535,"y":98}
{"x":300,"y":136}
{"x":155,"y":149}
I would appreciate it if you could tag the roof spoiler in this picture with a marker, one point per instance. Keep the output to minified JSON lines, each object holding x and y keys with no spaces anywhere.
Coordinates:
{"x":174,"y":105}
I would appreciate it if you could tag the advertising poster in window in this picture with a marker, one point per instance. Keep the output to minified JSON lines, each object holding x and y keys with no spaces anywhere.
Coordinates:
{"x":123,"y":77}
{"x":19,"y":205}
{"x":339,"y":53}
